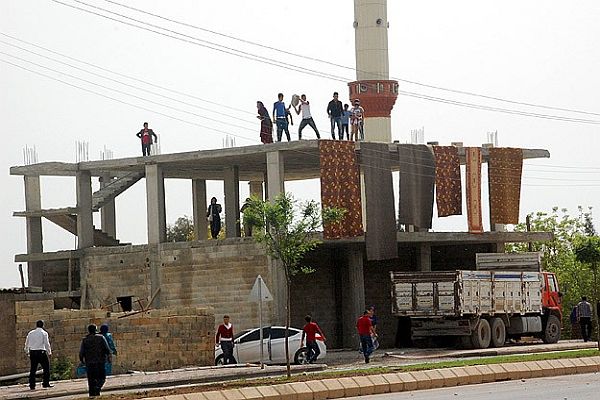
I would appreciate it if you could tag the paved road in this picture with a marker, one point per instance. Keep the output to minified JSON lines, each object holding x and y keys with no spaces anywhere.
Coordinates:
{"x":570,"y":387}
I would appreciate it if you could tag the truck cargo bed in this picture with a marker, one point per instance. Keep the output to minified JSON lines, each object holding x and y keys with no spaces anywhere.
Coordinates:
{"x":461,"y":293}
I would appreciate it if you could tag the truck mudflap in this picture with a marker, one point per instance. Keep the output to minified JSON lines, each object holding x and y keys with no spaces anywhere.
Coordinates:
{"x":422,"y":328}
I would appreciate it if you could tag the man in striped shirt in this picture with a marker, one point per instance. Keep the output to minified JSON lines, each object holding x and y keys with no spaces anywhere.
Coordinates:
{"x":584,"y":316}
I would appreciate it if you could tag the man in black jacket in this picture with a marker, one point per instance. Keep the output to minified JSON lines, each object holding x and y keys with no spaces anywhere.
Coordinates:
{"x":334,"y":111}
{"x":94,"y":352}
{"x":146,"y":135}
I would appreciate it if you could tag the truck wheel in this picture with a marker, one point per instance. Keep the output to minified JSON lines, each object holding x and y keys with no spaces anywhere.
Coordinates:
{"x":481,"y":336}
{"x":498,"y":332}
{"x":552,"y":330}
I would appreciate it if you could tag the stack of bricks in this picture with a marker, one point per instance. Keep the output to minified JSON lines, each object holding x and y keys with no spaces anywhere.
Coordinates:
{"x":149,"y":341}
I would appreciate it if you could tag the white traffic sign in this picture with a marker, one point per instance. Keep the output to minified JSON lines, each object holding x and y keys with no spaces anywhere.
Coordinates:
{"x":260,"y":291}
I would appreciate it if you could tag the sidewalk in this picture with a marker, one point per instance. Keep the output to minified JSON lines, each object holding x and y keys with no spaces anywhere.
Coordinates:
{"x":141,"y":380}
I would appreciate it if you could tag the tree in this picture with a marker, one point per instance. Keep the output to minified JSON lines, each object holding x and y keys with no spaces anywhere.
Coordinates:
{"x":181,"y":231}
{"x":559,"y":254}
{"x":287,"y":229}
{"x":587,"y":252}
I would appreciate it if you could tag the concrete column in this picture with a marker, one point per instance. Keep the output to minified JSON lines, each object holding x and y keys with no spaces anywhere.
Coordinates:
{"x":199,"y":208}
{"x":275,"y":174}
{"x":155,"y":204}
{"x":232,"y":201}
{"x":108,"y":218}
{"x":353,"y":295}
{"x":33,"y":202}
{"x":424,"y":257}
{"x":85,"y":221}
{"x":256,"y":189}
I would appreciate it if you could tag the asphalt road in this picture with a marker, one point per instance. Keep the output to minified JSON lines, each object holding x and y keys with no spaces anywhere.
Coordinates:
{"x":570,"y":387}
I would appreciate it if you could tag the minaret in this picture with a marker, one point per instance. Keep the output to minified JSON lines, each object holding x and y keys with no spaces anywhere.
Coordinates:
{"x":376,"y":92}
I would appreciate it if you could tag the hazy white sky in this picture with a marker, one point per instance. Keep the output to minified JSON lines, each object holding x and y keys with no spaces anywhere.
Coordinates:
{"x":529,"y":51}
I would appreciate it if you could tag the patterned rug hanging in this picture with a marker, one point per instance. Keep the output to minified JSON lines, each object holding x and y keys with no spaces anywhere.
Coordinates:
{"x":473,"y":182}
{"x":448,"y":186}
{"x":504,"y":173}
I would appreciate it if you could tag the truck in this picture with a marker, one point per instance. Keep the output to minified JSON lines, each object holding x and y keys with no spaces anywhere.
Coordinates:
{"x":508,"y":296}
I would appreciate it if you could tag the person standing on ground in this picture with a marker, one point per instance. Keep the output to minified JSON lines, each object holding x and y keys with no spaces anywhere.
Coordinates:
{"x":310,"y":331}
{"x":94,"y":353}
{"x":146,"y":136}
{"x":374,"y":322}
{"x":346,"y":122}
{"x":357,"y":121}
{"x":111,"y":345}
{"x":306,"y":117}
{"x":584,"y":316}
{"x":280,"y":114}
{"x":366,"y":334}
{"x":224,"y":338}
{"x":266,"y":126}
{"x":37,"y":347}
{"x":213,"y":216}
{"x":334,"y":111}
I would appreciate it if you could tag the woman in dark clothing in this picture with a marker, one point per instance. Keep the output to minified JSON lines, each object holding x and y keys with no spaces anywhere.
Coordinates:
{"x":213,"y":214}
{"x":266,"y":125}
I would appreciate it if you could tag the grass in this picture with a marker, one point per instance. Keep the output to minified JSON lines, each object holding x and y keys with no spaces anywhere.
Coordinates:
{"x":359,"y":372}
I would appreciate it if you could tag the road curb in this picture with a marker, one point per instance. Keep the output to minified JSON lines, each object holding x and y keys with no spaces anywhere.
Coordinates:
{"x":401,"y":382}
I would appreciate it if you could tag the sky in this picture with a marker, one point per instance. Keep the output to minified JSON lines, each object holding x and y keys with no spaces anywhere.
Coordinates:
{"x":76,"y":76}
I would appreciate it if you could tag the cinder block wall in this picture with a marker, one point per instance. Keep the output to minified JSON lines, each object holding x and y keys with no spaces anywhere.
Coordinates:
{"x":148,"y":341}
{"x":7,"y":336}
{"x":218,"y":273}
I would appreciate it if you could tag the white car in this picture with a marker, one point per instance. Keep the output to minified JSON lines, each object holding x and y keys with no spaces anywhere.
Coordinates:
{"x":247,"y":346}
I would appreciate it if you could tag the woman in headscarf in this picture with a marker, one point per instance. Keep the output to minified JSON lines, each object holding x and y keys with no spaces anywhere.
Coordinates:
{"x":266,"y":125}
{"x":213,"y":215}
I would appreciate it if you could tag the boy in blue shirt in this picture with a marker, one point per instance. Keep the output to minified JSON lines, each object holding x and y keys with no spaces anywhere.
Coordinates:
{"x":345,"y":122}
{"x":280,"y":113}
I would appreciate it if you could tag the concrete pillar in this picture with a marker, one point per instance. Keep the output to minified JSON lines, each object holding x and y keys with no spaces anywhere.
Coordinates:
{"x":232,"y":201}
{"x":155,"y":204}
{"x":108,"y":218}
{"x":275,"y":174}
{"x":199,"y":208}
{"x":353,"y":295}
{"x":33,"y":202}
{"x":256,"y":189}
{"x":424,"y":257}
{"x":85,"y":220}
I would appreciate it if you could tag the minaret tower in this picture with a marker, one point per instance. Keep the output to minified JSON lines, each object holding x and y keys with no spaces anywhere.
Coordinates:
{"x":376,"y":92}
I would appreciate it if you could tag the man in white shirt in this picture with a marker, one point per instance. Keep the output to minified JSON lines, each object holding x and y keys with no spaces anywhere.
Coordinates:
{"x":37,"y":346}
{"x":306,"y":117}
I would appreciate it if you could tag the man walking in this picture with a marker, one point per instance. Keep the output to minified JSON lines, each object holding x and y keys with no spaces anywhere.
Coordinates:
{"x":224,"y":338}
{"x":334,"y":111}
{"x":146,"y":136}
{"x":306,"y":117}
{"x":310,"y":331}
{"x":280,"y":113}
{"x":584,"y":315}
{"x":366,"y":334}
{"x":37,"y":346}
{"x":94,"y":353}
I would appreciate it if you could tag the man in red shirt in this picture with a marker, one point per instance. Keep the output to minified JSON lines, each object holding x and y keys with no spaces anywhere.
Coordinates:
{"x":225,"y":339}
{"x":365,"y":330}
{"x":146,"y":136}
{"x":310,"y":330}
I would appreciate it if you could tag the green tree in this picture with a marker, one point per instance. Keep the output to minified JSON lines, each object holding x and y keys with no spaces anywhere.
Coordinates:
{"x":287,"y":229}
{"x":181,"y":231}
{"x":559,"y":254}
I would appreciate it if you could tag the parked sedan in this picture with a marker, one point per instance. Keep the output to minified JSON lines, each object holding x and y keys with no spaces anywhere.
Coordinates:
{"x":247,"y":346}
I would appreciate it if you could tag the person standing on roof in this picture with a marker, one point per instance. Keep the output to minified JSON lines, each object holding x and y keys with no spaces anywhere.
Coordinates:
{"x":306,"y":117}
{"x":334,"y":111}
{"x":146,"y":136}
{"x":280,"y":117}
{"x":266,"y":126}
{"x":357,"y":114}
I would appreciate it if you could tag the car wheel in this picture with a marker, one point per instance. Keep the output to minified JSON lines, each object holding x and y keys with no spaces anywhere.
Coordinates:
{"x":219,"y":360}
{"x":300,"y":356}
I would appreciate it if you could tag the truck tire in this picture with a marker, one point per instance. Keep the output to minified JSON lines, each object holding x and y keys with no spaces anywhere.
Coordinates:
{"x":551,"y":332}
{"x":498,"y":334}
{"x":482,"y":334}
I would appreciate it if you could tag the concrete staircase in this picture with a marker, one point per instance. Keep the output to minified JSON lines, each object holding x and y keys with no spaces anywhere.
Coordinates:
{"x":114,"y":188}
{"x":69,"y":223}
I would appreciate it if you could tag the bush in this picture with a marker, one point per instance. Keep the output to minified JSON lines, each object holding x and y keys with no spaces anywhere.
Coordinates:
{"x":61,"y":369}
